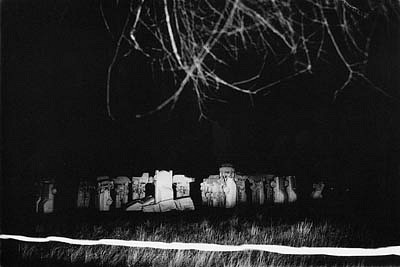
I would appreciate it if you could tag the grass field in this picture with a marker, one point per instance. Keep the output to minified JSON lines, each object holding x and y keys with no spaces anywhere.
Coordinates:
{"x":292,"y":226}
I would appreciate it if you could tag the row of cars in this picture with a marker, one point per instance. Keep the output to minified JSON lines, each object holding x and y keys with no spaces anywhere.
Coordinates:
{"x":251,"y":189}
{"x":167,"y":191}
{"x":122,"y":192}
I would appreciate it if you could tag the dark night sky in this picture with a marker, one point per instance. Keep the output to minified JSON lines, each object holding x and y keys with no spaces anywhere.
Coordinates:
{"x":55,"y":66}
{"x":55,"y":59}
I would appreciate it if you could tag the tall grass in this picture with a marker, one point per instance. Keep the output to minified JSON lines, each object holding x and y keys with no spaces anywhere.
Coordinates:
{"x":214,"y":226}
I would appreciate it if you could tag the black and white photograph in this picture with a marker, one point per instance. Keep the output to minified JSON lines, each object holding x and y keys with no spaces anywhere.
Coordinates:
{"x":200,"y":133}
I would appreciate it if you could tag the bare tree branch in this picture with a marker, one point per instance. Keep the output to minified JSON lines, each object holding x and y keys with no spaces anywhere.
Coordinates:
{"x":194,"y":36}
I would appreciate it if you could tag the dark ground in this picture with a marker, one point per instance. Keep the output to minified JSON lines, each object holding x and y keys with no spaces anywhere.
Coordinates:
{"x":370,"y":229}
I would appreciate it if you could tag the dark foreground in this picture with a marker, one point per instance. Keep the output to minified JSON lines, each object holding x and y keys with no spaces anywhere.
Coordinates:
{"x":302,"y":224}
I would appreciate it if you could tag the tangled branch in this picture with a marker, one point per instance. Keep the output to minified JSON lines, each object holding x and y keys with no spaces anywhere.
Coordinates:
{"x":194,"y":37}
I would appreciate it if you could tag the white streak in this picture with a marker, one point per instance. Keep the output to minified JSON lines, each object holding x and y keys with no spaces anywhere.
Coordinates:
{"x":332,"y":251}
